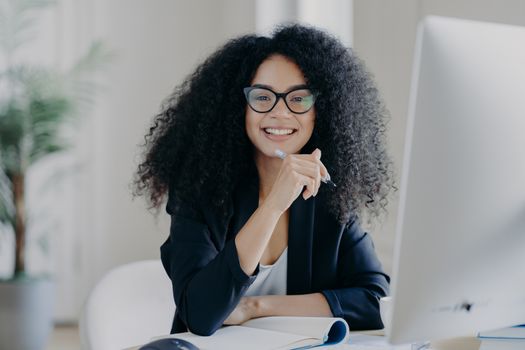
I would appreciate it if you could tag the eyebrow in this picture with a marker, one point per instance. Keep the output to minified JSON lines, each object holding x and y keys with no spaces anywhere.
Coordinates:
{"x":291,"y":88}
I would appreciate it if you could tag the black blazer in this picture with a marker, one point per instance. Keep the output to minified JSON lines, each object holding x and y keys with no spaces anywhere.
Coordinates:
{"x":324,"y":256}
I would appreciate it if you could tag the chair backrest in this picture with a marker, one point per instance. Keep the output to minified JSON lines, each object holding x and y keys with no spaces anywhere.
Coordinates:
{"x":128,"y":306}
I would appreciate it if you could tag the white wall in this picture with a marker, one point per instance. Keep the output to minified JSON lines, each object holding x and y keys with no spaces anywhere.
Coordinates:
{"x":335,"y":16}
{"x":384,"y":34}
{"x":157,"y":44}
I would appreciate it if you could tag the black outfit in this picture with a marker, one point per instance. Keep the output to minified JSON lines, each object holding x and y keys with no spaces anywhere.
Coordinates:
{"x":324,"y":256}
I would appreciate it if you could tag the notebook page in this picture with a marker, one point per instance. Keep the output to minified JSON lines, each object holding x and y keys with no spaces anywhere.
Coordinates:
{"x":312,"y":327}
{"x":242,"y":338}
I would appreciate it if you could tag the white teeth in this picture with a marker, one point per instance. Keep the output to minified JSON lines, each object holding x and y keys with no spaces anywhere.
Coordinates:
{"x":278,"y":131}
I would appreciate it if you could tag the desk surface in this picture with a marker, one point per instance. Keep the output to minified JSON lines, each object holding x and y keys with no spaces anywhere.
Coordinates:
{"x":466,"y":343}
{"x":463,"y":343}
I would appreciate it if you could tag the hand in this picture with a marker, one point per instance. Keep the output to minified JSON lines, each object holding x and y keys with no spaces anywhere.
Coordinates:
{"x":297,"y":171}
{"x":243,"y":312}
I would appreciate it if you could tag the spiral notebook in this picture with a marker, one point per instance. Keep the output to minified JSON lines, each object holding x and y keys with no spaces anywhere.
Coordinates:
{"x":269,"y":333}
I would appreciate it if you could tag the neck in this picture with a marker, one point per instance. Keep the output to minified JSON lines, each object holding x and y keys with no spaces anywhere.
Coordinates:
{"x":268,"y":169}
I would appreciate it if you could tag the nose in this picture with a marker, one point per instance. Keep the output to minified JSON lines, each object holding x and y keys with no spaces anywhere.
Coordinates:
{"x":280,"y":108}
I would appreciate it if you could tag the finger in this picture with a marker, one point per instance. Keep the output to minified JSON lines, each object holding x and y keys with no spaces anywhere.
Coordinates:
{"x":313,"y":171}
{"x":306,"y":194}
{"x":324,"y":172}
{"x":306,"y":160}
{"x":317,"y":154}
{"x":316,"y":171}
{"x":310,"y":186}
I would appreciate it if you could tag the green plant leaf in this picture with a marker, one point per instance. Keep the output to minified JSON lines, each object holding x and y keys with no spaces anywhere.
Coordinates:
{"x":38,"y":102}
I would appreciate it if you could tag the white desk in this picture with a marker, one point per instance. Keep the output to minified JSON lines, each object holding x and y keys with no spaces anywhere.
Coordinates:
{"x":466,"y":343}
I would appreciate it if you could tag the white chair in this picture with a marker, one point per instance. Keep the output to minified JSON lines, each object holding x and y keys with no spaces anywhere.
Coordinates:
{"x":128,"y":306}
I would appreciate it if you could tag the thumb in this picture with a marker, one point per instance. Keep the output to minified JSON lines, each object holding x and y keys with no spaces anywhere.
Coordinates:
{"x":317,"y":153}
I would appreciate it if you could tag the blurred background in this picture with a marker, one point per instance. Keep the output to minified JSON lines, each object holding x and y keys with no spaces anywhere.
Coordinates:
{"x":91,"y":222}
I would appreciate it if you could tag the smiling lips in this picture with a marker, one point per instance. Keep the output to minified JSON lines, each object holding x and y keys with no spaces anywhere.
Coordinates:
{"x":278,"y":134}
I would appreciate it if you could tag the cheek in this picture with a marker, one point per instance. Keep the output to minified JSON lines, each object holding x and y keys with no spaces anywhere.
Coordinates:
{"x":251,"y":123}
{"x":309,"y":122}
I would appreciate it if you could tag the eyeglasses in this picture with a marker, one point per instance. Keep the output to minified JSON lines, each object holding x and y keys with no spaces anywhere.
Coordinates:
{"x":262,"y":99}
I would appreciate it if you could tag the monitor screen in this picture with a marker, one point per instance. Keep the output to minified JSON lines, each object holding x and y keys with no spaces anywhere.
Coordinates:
{"x":459,"y":261}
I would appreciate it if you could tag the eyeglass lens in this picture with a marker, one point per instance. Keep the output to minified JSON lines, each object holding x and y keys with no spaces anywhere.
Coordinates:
{"x":264,"y":100}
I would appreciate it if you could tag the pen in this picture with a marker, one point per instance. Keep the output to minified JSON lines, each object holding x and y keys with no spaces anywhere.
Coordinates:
{"x":281,"y":154}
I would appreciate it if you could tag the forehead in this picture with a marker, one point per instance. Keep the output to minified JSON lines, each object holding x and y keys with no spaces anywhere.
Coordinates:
{"x":279,"y":73}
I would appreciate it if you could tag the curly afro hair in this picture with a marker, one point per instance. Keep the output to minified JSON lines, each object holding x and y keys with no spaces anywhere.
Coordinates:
{"x":198,"y":145}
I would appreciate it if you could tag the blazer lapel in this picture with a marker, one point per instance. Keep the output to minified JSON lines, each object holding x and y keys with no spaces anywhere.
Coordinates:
{"x":246,"y":202}
{"x":300,"y":236}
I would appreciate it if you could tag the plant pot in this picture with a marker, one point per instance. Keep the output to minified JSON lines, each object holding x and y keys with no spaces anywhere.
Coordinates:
{"x":26,"y":313}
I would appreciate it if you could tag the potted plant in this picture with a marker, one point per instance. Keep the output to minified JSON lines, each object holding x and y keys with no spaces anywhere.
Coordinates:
{"x":36,"y":103}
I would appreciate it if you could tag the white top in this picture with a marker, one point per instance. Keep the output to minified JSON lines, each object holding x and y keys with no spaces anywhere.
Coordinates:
{"x":271,"y":279}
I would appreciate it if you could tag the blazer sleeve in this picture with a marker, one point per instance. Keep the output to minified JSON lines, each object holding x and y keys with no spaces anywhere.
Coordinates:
{"x":207,"y":280}
{"x":362,"y":281}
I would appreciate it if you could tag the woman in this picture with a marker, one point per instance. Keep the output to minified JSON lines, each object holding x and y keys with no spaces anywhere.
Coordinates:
{"x":241,"y":149}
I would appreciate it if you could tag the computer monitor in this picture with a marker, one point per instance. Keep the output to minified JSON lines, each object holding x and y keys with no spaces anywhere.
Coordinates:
{"x":459,"y":261}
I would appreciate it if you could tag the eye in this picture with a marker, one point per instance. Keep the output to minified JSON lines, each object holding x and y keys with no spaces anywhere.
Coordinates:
{"x":302,"y":97}
{"x":297,"y":99}
{"x":262,"y":98}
